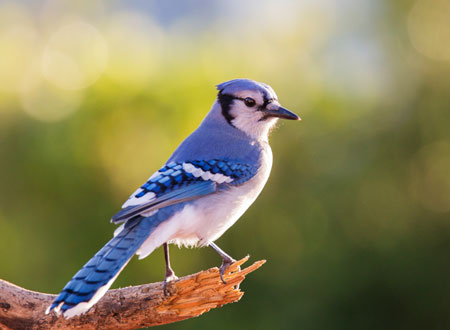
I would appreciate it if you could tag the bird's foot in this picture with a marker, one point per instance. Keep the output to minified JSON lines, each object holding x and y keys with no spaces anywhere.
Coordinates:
{"x":226,"y":262}
{"x":170,"y":276}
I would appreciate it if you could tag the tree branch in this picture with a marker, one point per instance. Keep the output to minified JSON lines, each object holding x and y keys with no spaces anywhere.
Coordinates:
{"x":128,"y":308}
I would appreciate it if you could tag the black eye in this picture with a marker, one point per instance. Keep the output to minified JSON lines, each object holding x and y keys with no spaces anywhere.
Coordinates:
{"x":249,"y":102}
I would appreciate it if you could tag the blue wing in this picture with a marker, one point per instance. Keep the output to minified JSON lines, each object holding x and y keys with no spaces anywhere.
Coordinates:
{"x":180,"y":182}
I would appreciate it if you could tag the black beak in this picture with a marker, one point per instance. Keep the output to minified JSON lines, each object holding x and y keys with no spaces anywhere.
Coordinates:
{"x":281,"y":113}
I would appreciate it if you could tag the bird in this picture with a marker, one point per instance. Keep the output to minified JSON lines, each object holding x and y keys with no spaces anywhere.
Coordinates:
{"x":207,"y":184}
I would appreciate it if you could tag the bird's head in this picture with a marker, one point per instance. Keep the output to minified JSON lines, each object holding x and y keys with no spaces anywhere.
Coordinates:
{"x":251,"y":106}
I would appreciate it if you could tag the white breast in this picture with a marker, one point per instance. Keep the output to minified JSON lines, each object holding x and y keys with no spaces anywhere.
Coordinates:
{"x":206,"y":219}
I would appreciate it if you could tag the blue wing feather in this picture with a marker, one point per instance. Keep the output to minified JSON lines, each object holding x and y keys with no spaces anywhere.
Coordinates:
{"x":174,"y":184}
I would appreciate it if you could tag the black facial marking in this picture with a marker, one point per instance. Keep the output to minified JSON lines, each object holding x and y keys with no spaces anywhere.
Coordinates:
{"x":225,"y":101}
{"x":267,"y":100}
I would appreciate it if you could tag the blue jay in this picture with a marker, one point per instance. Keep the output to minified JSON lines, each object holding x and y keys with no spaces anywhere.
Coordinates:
{"x":205,"y":186}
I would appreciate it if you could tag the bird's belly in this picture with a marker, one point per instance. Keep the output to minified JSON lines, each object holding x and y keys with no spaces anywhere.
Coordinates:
{"x":204,"y":222}
{"x":208,"y":218}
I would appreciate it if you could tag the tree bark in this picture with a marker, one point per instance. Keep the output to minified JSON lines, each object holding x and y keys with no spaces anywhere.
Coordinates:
{"x":128,"y":308}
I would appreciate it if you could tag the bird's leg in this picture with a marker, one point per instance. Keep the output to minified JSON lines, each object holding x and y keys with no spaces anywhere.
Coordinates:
{"x":170,"y":274}
{"x":226,"y":260}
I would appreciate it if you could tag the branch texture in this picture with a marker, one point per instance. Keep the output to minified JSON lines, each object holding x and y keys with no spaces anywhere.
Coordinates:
{"x":128,"y":308}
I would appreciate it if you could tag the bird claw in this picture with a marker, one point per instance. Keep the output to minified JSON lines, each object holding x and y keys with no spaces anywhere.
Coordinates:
{"x":227,"y":261}
{"x":169,"y":278}
{"x":225,"y":264}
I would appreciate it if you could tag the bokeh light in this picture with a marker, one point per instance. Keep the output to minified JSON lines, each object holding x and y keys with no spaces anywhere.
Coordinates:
{"x":75,"y":56}
{"x":43,"y":101}
{"x":19,"y":45}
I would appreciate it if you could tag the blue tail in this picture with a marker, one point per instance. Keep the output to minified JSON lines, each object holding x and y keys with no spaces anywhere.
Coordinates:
{"x":93,"y":280}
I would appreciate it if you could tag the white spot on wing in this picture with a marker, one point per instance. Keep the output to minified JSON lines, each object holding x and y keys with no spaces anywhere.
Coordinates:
{"x":138,"y":201}
{"x":206,"y":175}
{"x":189,"y":168}
{"x":118,"y":230}
{"x":146,"y":198}
{"x":220,"y":178}
{"x":154,"y":175}
{"x":149,"y":213}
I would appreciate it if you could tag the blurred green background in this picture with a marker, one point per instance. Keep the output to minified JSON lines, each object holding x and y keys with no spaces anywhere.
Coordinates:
{"x":355,"y":219}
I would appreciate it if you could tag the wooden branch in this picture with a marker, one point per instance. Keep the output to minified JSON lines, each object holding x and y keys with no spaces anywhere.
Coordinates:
{"x":128,"y":308}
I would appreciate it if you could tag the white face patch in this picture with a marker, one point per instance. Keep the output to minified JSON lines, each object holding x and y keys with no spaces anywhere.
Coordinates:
{"x":250,"y":119}
{"x":206,"y":175}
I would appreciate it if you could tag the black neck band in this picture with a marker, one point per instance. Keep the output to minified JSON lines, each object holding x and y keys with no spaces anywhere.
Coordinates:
{"x":225,"y":101}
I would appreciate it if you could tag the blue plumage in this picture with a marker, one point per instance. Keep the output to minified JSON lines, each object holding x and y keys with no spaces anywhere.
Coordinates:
{"x":205,"y":186}
{"x":98,"y":271}
{"x":173,"y":175}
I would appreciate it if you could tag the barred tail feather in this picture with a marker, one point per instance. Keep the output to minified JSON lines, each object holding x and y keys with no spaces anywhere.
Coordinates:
{"x":92,"y":281}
